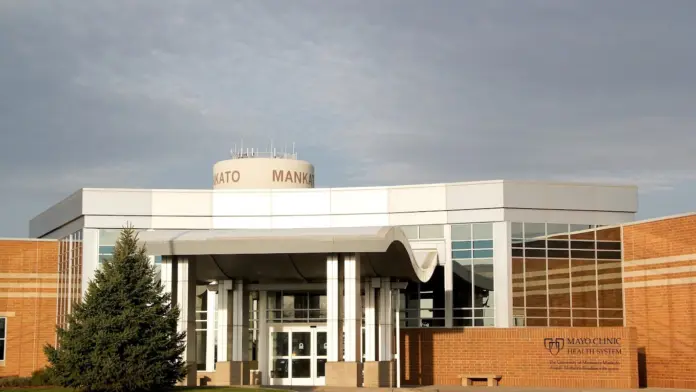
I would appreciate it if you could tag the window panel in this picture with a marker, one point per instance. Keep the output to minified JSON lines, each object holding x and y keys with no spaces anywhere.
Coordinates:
{"x":461,"y":245}
{"x":431,"y":232}
{"x":532,"y":230}
{"x":461,"y":232}
{"x":482,"y":231}
{"x":483,"y":253}
{"x":461,"y":254}
{"x":483,"y":244}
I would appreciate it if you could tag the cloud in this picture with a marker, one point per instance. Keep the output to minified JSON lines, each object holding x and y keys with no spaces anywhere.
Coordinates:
{"x":385,"y":92}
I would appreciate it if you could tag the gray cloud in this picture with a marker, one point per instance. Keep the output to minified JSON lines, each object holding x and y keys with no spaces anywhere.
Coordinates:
{"x":101,"y":93}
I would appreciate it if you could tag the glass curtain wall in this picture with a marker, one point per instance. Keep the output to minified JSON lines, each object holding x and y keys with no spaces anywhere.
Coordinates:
{"x":566,"y":275}
{"x":472,"y":280}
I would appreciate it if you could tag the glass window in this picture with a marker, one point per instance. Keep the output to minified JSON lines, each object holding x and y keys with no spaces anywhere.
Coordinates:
{"x":563,"y":277}
{"x":482,"y":231}
{"x":461,"y":232}
{"x":3,"y":335}
{"x":516,"y":230}
{"x":426,"y":232}
{"x":532,"y":230}
{"x":461,"y":245}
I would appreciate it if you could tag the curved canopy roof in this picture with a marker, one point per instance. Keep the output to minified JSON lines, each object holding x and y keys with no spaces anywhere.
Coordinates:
{"x":265,"y":255}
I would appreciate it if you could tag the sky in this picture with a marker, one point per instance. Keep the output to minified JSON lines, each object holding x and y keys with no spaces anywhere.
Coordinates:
{"x":101,"y":93}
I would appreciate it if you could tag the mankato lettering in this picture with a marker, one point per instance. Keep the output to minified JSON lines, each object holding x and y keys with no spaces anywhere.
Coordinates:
{"x":293,"y":176}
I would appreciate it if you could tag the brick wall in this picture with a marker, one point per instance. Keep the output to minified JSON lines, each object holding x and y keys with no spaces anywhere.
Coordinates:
{"x":28,"y":281}
{"x":660,"y":299}
{"x":520,"y":356}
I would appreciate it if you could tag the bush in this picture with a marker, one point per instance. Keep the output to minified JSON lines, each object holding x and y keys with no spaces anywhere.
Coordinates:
{"x":14,"y":381}
{"x":39,"y":378}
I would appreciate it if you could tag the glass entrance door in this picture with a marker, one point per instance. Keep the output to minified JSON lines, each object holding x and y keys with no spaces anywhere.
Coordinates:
{"x":298,"y":355}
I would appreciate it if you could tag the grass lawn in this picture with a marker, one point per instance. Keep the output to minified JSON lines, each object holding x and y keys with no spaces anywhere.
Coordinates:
{"x":198,"y":389}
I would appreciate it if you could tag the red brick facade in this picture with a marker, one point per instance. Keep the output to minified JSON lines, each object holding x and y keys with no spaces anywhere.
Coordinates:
{"x":521,"y":357}
{"x":28,"y":277}
{"x":660,"y":299}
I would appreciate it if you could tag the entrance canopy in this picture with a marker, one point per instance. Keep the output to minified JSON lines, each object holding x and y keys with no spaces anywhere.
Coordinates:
{"x":293,"y":255}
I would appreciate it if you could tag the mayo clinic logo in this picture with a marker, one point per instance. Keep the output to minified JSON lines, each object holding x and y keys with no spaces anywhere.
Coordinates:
{"x":554,"y":345}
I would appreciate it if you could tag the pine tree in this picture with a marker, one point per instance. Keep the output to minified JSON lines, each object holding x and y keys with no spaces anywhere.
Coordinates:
{"x":123,"y":336}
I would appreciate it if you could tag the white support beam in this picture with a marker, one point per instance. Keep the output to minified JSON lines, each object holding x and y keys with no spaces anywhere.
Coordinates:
{"x":352,"y":322}
{"x":333,"y":308}
{"x":210,"y":331}
{"x":262,"y":346}
{"x":240,"y":322}
{"x":386,"y":327}
{"x":185,"y":293}
{"x":502,"y":275}
{"x":224,"y":320}
{"x":370,"y":323}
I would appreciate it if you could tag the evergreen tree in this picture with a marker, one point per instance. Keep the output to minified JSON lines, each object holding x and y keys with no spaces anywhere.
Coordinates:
{"x":123,"y":336}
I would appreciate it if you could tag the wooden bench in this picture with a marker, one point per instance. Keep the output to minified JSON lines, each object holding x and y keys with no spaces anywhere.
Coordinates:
{"x":468,"y":378}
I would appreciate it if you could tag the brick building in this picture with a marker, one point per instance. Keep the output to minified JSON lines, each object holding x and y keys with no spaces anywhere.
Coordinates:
{"x":542,"y":283}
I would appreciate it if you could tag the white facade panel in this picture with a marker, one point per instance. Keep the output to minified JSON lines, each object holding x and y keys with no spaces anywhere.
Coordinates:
{"x":475,"y":196}
{"x":182,"y":203}
{"x":359,"y":201}
{"x":466,"y":216}
{"x":300,"y":222}
{"x":572,"y":217}
{"x":418,"y":218}
{"x":241,"y":203}
{"x":66,"y":230}
{"x":56,"y":216}
{"x":182,"y":222}
{"x":570,"y":197}
{"x":118,"y":222}
{"x":242,"y":222}
{"x":418,"y":198}
{"x":301,"y":202}
{"x":117,"y":202}
{"x":360,"y":220}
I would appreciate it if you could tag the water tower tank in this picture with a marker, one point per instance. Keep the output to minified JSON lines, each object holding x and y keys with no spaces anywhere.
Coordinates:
{"x":252,"y":169}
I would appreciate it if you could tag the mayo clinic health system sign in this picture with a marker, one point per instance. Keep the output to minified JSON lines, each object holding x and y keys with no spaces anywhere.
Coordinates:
{"x":590,"y":354}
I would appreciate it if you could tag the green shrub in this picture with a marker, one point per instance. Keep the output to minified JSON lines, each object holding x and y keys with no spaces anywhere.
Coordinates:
{"x":41,"y":378}
{"x":14,"y":381}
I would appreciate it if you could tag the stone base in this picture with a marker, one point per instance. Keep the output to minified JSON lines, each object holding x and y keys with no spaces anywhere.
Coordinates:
{"x":191,"y":379}
{"x":233,"y":373}
{"x":343,"y":374}
{"x":379,"y":374}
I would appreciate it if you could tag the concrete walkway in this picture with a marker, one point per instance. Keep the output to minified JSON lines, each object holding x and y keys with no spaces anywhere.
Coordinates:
{"x":454,"y":388}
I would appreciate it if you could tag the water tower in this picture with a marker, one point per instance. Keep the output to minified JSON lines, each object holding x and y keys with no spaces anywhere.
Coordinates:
{"x":271,"y":169}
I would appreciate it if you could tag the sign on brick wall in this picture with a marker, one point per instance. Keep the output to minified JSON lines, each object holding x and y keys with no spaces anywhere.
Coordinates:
{"x":578,"y":353}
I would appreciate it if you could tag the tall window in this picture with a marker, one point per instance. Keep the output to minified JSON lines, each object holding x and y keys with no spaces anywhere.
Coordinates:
{"x":3,"y":337}
{"x":472,"y":280}
{"x":69,"y":275}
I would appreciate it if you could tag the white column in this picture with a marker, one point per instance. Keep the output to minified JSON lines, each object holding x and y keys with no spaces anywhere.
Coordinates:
{"x":224,"y":318}
{"x":210,"y":333}
{"x":386,"y":328}
{"x":370,"y":323}
{"x":90,"y":257}
{"x":397,"y":323}
{"x":352,"y":322}
{"x":262,"y":347}
{"x":449,"y":293}
{"x":185,"y":298}
{"x":502,"y":275}
{"x":167,"y":276}
{"x":240,"y":323}
{"x":333,"y":308}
